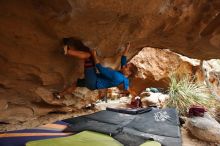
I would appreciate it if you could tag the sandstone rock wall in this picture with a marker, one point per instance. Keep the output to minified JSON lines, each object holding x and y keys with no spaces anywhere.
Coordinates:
{"x":212,"y":68}
{"x":156,"y":65}
{"x":31,"y":30}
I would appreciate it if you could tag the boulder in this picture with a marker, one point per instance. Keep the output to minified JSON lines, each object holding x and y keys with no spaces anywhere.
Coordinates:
{"x":205,"y":128}
{"x":157,"y":99}
{"x":155,"y":66}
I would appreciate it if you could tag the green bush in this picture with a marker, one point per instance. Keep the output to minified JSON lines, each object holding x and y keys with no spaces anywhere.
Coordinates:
{"x":184,"y":93}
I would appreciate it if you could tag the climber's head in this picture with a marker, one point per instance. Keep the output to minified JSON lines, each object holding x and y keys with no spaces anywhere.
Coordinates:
{"x":129,"y":70}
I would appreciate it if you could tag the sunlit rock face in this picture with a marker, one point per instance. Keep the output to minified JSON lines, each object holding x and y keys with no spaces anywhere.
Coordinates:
{"x":31,"y":33}
{"x":155,"y":66}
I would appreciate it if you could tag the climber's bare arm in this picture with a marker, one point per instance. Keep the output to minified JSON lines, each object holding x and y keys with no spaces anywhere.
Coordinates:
{"x":94,"y":53}
{"x":125,"y":51}
{"x":133,"y":93}
{"x":75,"y":53}
{"x":129,"y":91}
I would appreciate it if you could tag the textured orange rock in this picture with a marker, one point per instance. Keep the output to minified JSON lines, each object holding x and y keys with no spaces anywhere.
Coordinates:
{"x":31,"y":30}
{"x":156,"y":65}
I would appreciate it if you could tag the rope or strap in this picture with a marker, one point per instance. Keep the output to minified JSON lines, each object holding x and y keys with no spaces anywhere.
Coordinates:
{"x":32,"y":134}
{"x":53,"y":127}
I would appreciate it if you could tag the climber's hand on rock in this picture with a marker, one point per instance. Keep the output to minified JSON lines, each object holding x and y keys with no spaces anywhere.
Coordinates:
{"x":127,"y":47}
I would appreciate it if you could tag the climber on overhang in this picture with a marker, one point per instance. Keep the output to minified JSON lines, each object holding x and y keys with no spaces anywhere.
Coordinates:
{"x":106,"y":77}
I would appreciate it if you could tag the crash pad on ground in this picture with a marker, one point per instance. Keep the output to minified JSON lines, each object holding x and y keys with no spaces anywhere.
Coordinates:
{"x":161,"y":125}
{"x":85,"y":138}
{"x":21,"y":137}
{"x":151,"y":143}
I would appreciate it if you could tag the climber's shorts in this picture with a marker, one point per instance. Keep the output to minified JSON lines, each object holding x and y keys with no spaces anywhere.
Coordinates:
{"x":90,"y":75}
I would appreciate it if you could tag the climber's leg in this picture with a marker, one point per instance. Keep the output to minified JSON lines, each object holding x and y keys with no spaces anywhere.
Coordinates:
{"x":89,"y":81}
{"x":70,"y":89}
{"x":90,"y":73}
{"x":65,"y":91}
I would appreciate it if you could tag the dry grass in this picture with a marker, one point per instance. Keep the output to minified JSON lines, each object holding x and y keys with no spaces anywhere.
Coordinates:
{"x":185,"y":92}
